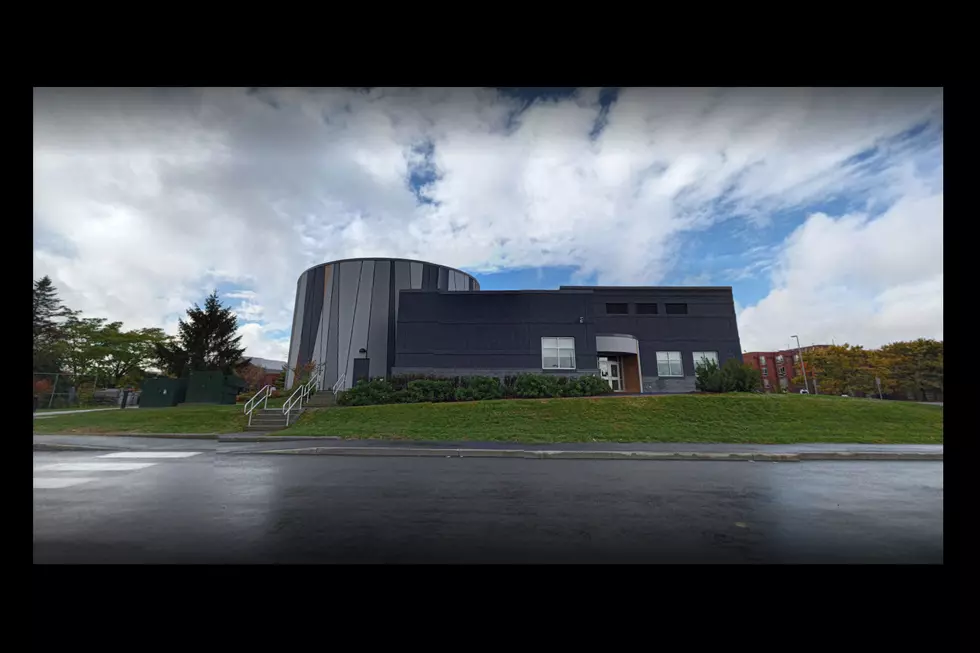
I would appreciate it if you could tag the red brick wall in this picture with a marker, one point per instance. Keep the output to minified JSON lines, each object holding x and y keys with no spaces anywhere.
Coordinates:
{"x":792,"y":368}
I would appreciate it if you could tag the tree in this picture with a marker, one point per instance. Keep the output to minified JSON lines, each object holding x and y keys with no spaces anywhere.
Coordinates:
{"x":913,"y":369}
{"x":48,"y":312}
{"x":126,"y":354}
{"x":205,"y":342}
{"x":253,"y":375}
{"x":81,"y":348}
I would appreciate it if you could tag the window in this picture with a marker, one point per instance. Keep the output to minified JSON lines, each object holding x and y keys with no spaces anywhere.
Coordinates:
{"x":669,"y":363}
{"x":700,"y":356}
{"x":765,"y":382}
{"x":617,"y":309}
{"x":646,"y":309}
{"x":558,"y":353}
{"x":762,"y":361}
{"x":779,"y":358}
{"x":765,"y":372}
{"x":676,"y":309}
{"x":782,"y":371}
{"x":796,"y":358}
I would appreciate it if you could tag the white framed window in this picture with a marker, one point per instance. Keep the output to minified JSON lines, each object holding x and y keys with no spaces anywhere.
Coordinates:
{"x":558,"y":353}
{"x":796,"y":358}
{"x":762,"y":360}
{"x":782,"y":371}
{"x":779,"y":358}
{"x":705,"y":356}
{"x":669,"y":363}
{"x":765,"y":372}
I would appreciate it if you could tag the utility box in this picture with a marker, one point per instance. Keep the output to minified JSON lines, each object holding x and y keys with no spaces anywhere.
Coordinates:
{"x":162,"y":392}
{"x":213,"y":388}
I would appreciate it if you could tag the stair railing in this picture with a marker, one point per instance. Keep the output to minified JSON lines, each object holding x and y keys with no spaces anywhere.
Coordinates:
{"x":339,"y":384}
{"x":262,"y":396}
{"x":296,"y":399}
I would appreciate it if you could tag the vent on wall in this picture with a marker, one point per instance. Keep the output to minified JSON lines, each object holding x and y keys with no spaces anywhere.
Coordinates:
{"x":646,"y":309}
{"x":617,"y":309}
{"x":676,"y":309}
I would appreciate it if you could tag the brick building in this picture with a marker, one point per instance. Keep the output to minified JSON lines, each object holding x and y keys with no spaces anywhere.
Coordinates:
{"x":779,"y":368}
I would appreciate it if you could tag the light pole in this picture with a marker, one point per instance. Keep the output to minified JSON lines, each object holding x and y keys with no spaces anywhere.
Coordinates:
{"x":802,"y":363}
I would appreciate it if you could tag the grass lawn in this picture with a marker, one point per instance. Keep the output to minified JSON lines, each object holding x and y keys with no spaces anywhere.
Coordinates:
{"x":744,"y":418}
{"x":186,"y":418}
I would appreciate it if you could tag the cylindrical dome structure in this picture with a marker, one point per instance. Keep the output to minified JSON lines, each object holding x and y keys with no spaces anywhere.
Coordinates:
{"x":346,"y":312}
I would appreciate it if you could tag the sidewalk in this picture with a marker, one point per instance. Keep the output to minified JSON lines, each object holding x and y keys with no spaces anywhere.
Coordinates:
{"x":123,"y":443}
{"x":579,"y":450}
{"x":249,"y":443}
{"x":55,"y":413}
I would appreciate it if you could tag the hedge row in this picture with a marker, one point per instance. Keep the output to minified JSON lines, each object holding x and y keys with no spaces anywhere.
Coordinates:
{"x":409,"y":389}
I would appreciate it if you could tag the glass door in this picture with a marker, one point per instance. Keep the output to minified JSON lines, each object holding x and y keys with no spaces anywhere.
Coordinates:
{"x":609,"y":370}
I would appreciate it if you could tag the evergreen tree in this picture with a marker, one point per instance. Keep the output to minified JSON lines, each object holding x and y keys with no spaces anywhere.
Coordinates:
{"x":205,"y":342}
{"x":48,"y":309}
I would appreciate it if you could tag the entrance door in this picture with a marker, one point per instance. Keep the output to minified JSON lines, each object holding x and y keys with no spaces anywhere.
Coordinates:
{"x":609,"y":369}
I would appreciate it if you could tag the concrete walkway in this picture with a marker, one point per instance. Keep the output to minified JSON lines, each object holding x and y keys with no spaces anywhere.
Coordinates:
{"x":55,"y":413}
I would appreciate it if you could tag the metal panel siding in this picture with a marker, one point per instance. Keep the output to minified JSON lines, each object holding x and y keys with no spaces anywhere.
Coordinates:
{"x":328,"y":275}
{"x":403,"y":279}
{"x":430,"y":277}
{"x":443,"y":283}
{"x":350,"y":275}
{"x":311,"y":314}
{"x":333,"y":335}
{"x":360,"y":319}
{"x":316,"y":343}
{"x":378,"y":328}
{"x":390,"y":362}
{"x":416,"y":274}
{"x":296,"y":336}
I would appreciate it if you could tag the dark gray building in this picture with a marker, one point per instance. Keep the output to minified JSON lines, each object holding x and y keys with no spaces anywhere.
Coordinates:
{"x":640,"y":339}
{"x":345,"y":313}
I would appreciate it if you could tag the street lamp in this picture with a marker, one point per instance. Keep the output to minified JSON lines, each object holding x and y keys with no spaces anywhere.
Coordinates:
{"x":802,"y":363}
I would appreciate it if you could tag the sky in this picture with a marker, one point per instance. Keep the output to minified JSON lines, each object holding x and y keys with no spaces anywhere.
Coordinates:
{"x":821,"y":208}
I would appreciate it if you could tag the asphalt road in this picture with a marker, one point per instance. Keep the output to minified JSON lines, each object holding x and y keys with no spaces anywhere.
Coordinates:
{"x":236,"y":508}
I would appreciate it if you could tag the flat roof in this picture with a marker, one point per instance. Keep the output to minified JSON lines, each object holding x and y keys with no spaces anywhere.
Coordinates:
{"x":633,"y":288}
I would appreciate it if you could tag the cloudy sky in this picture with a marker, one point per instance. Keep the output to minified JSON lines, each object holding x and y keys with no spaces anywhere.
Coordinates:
{"x":822,"y":208}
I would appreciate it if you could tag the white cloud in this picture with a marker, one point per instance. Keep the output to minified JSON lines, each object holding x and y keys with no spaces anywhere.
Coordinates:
{"x":145,"y":199}
{"x":856,"y":279}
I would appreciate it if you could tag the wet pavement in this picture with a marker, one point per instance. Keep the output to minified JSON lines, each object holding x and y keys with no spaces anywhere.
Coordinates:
{"x":213,"y":508}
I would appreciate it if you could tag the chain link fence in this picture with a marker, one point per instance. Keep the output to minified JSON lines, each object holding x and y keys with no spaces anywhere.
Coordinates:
{"x":64,"y":391}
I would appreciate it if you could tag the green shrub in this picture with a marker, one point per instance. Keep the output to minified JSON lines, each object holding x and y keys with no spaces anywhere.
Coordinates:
{"x":733,"y":376}
{"x":417,"y":388}
{"x":590,"y":386}
{"x":477,"y":388}
{"x":432,"y":390}
{"x":367,"y":393}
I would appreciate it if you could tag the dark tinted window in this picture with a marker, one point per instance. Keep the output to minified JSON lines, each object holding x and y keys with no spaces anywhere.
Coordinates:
{"x":646,"y":309}
{"x":617,"y":309}
{"x":676,"y":309}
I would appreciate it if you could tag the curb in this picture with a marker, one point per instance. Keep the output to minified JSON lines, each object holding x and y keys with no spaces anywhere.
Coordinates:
{"x":165,"y":436}
{"x":42,"y":446}
{"x":595,"y":455}
{"x":274,"y":438}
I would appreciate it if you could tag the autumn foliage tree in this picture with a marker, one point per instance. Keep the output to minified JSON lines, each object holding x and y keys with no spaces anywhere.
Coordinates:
{"x":912,"y":370}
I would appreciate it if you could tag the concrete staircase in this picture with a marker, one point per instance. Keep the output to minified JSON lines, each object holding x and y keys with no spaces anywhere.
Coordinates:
{"x":321,"y":399}
{"x":270,"y":419}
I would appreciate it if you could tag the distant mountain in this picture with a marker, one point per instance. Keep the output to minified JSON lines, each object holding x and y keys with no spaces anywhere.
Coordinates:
{"x":268,"y":364}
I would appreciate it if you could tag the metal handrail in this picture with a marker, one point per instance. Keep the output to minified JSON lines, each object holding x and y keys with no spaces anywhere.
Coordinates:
{"x":300,"y":394}
{"x":339,"y":383}
{"x":253,"y":403}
